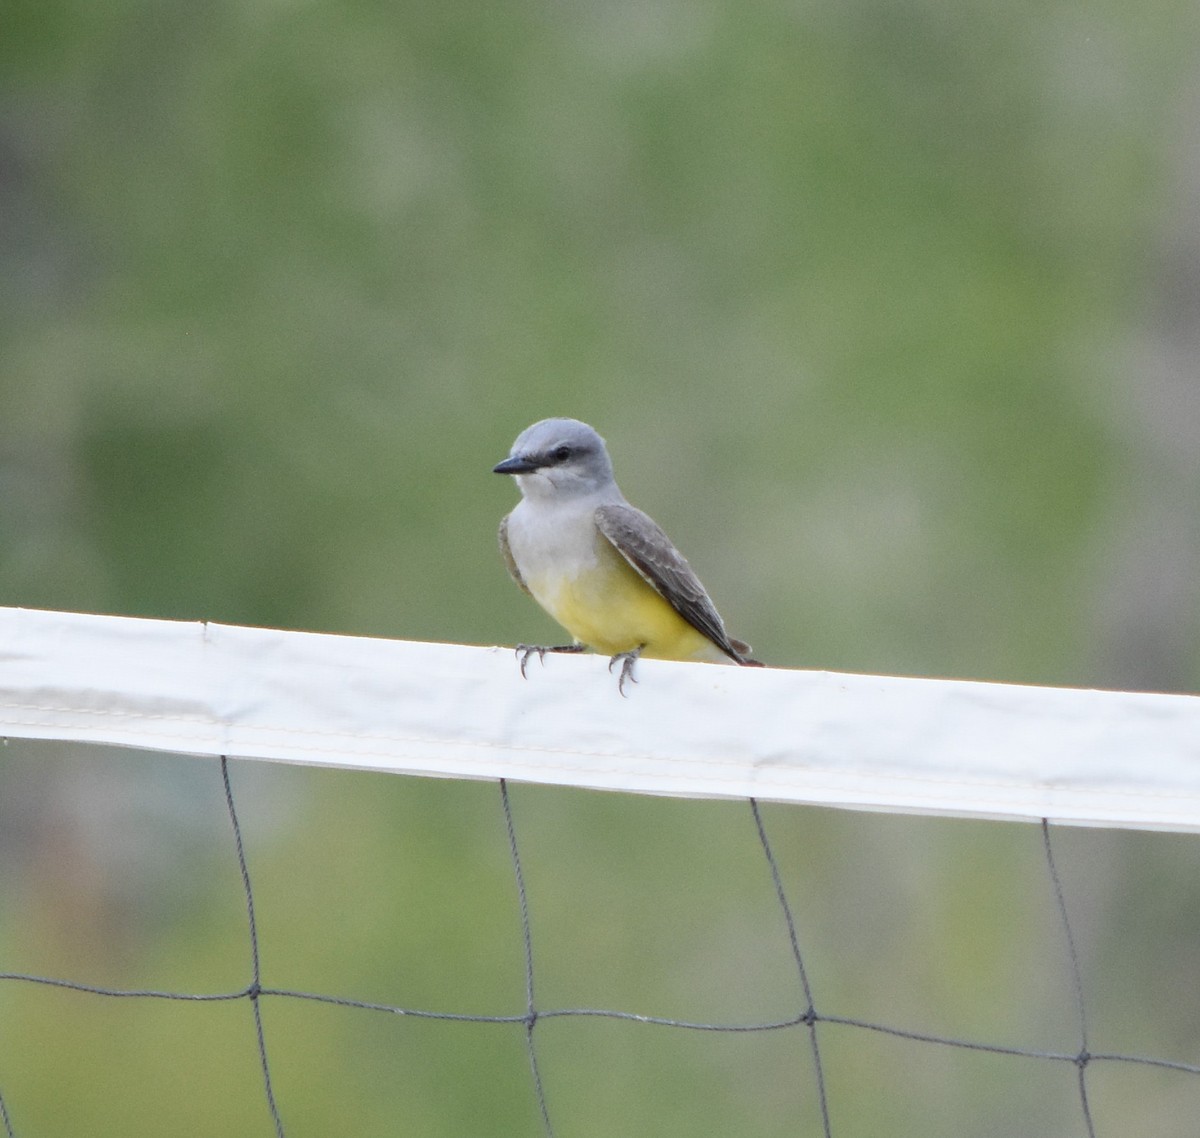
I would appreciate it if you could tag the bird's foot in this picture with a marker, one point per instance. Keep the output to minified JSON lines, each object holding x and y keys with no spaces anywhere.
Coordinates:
{"x":628,"y":659}
{"x":524,"y":651}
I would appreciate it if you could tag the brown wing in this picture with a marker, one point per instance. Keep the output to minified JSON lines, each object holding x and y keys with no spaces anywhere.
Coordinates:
{"x":643,"y":544}
{"x":506,"y":553}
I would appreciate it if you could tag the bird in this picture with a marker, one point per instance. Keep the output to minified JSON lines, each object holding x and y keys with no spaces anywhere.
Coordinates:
{"x":600,"y":567}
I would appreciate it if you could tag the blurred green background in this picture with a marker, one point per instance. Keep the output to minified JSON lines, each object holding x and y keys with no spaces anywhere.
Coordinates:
{"x":903,"y":298}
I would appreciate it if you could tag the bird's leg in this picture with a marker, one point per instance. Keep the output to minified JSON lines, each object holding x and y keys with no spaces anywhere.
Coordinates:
{"x":524,"y":651}
{"x":628,"y":659}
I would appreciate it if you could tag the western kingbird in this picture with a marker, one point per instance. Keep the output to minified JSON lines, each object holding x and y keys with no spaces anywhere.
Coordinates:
{"x":603,"y":569}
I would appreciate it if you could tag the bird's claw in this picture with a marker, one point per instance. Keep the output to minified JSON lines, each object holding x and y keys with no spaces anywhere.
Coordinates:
{"x":524,"y":651}
{"x":628,"y":659}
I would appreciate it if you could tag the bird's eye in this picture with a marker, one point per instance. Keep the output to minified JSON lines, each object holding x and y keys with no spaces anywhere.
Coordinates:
{"x":562,"y":453}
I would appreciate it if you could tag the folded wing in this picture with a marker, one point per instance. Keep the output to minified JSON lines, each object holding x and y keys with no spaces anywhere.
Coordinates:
{"x":642,"y":543}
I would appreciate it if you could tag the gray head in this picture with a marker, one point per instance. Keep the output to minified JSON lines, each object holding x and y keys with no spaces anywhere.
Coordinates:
{"x":559,"y":458}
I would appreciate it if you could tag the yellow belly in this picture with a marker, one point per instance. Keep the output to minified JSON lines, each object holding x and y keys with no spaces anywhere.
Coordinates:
{"x":611,"y":609}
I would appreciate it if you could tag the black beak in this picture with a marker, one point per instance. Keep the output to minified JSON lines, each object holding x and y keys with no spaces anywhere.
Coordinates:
{"x":515,"y":465}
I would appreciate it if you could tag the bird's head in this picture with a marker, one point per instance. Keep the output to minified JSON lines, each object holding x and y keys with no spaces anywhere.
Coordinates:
{"x":558,"y":458}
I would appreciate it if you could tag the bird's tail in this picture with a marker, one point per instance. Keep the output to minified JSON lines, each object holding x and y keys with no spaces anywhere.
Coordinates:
{"x":743,"y":657}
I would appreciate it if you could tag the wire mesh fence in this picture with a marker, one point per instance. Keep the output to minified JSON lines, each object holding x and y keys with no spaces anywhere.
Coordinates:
{"x":831,"y":1048}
